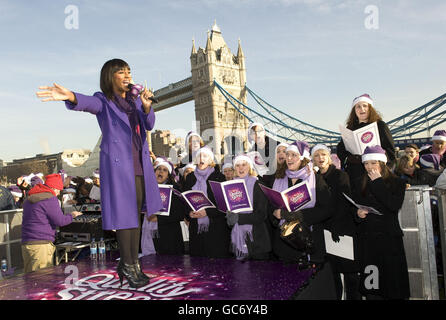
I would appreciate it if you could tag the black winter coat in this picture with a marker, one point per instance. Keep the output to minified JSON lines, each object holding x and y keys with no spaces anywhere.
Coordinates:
{"x":426,"y":176}
{"x":352,"y":164}
{"x":381,"y":238}
{"x":342,"y":221}
{"x":170,"y":236}
{"x":216,"y":242}
{"x":315,"y":217}
{"x":260,"y":247}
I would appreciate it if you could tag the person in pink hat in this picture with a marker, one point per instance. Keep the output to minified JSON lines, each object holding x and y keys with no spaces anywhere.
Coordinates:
{"x":41,"y":216}
{"x":380,"y":236}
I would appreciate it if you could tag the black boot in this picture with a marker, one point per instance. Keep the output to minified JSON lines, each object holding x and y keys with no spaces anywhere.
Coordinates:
{"x":129,"y":271}
{"x":141,"y":275}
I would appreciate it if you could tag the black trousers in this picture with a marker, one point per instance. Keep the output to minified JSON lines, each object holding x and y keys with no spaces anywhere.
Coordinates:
{"x":129,"y":239}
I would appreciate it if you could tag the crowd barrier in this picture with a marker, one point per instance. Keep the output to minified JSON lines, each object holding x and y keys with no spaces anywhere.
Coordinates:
{"x":417,"y":219}
{"x":11,"y":237}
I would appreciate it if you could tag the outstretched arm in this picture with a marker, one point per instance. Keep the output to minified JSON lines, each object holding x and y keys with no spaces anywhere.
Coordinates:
{"x":73,"y":101}
{"x":56,"y":93}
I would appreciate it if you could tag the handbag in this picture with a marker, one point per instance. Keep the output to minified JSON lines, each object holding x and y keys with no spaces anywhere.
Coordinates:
{"x":297,"y":235}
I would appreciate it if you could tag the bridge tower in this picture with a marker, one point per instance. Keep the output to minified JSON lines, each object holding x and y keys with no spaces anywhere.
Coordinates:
{"x":220,"y":125}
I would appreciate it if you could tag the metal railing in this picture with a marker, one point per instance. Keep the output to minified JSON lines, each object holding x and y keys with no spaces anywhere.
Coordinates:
{"x":11,"y":238}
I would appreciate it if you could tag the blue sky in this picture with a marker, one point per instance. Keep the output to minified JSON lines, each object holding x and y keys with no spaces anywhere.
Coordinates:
{"x":310,"y":58}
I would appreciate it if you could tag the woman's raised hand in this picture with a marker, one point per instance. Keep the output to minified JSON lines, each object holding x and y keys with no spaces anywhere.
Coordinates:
{"x":56,"y":93}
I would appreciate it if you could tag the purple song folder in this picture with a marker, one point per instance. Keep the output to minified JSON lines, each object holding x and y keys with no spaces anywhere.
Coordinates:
{"x":197,"y":200}
{"x":291,"y":199}
{"x":231,"y":196}
{"x":166,"y":199}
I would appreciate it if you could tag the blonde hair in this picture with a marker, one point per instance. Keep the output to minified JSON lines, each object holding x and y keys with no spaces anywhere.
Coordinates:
{"x":330,"y":161}
{"x":251,"y":172}
{"x":189,"y":144}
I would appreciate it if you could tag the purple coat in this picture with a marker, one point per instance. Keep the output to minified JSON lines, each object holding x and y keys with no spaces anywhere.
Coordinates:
{"x":41,"y":216}
{"x":118,"y":190}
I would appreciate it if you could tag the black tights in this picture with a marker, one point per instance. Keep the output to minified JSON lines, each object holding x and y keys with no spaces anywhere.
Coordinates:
{"x":128,"y":239}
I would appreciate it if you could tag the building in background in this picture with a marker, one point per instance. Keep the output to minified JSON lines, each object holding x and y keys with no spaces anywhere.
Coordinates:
{"x":166,"y":144}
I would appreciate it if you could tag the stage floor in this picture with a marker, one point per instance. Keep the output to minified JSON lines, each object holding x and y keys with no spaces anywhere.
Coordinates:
{"x":172,"y":278}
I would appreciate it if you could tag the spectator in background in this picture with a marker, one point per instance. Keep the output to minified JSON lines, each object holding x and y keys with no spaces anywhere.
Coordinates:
{"x":17,"y":194}
{"x":6,"y":199}
{"x":41,"y":216}
{"x":408,"y":170}
{"x":24,"y":184}
{"x":193,"y":143}
{"x":36,"y":179}
{"x":228,"y":171}
{"x":438,"y":146}
{"x":95,"y":178}
{"x":262,"y":143}
{"x":413,"y":152}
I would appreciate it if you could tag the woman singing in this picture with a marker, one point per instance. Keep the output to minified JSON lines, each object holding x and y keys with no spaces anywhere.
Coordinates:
{"x":127,"y":177}
{"x":363,"y":113}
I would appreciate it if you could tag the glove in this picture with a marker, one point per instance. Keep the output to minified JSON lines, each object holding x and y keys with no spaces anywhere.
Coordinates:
{"x":231,"y":218}
{"x":292,"y":216}
{"x":335,"y":236}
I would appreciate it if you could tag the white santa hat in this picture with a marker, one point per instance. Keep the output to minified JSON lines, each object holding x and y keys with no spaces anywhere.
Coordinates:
{"x":188,"y":166}
{"x":165,"y":164}
{"x":300,"y":147}
{"x":226,"y":165}
{"x":188,"y":136}
{"x":205,"y":150}
{"x":374,"y":153}
{"x":320,"y":147}
{"x":243,"y":157}
{"x":439,"y":135}
{"x":362,"y":98}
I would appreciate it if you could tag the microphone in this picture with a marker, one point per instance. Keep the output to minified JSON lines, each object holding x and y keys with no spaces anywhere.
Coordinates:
{"x":135,"y":90}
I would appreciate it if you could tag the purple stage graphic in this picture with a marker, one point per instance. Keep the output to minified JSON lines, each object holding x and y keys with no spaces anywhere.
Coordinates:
{"x":172,"y":278}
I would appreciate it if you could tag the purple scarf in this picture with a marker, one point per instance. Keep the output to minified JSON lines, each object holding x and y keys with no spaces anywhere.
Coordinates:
{"x":282,"y":184}
{"x":128,"y":107}
{"x":241,"y":233}
{"x":201,"y":185}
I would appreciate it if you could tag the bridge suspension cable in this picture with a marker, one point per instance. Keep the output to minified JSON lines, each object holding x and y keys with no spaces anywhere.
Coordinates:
{"x":277,"y":126}
{"x":289,"y":128}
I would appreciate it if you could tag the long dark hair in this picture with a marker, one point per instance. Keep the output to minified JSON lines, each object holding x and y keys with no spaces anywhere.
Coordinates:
{"x":107,"y":71}
{"x":353,"y":121}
